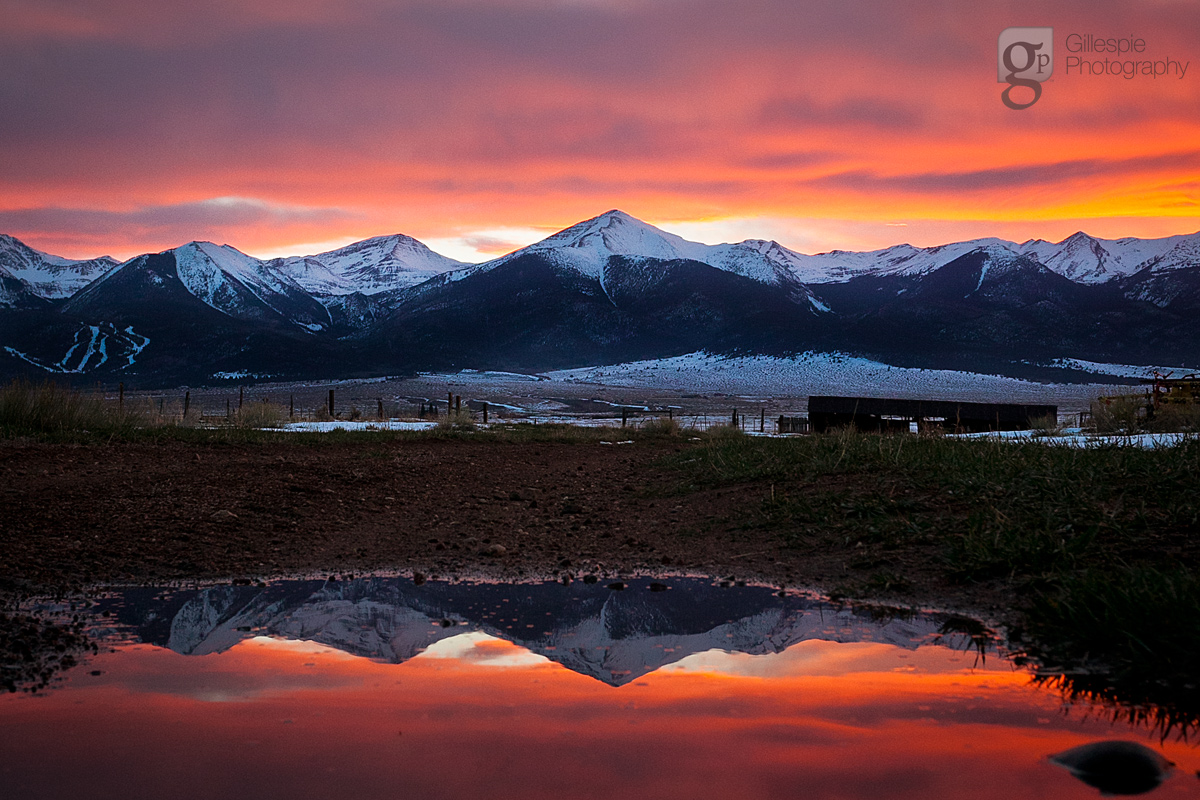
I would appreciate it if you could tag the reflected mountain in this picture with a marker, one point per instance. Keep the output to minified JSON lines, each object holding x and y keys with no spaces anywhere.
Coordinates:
{"x":612,"y":635}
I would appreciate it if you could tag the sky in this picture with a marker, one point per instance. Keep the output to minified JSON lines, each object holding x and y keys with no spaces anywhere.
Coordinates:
{"x":479,"y":126}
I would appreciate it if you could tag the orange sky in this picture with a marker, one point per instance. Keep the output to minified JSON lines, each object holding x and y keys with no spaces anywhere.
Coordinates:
{"x":287,"y":719}
{"x":480,"y":125}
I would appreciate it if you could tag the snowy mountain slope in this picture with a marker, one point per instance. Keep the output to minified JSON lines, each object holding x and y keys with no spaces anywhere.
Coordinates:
{"x":231,"y":281}
{"x":1081,"y":258}
{"x":368,"y":267}
{"x":44,"y":275}
{"x":902,"y":260}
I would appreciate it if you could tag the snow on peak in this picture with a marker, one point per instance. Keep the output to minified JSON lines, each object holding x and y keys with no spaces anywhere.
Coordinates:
{"x":587,"y":246}
{"x":48,"y":276}
{"x":371,"y":266}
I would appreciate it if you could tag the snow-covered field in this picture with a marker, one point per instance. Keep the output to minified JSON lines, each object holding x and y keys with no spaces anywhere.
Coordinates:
{"x":828,"y":374}
{"x":1121,"y":370}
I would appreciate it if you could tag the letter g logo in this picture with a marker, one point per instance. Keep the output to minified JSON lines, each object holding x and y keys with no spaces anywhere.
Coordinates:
{"x":1026,"y":58}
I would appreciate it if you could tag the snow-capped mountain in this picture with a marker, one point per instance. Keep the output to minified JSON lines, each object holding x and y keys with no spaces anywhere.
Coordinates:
{"x":592,"y":248}
{"x":25,"y":270}
{"x":612,"y":636}
{"x":375,"y":265}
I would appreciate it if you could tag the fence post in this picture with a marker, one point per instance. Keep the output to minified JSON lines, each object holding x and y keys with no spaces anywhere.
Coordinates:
{"x":735,"y":419}
{"x":380,"y":401}
{"x":331,"y":402}
{"x":227,"y":408}
{"x":449,"y":402}
{"x":485,"y":412}
{"x":241,"y":396}
{"x":624,"y":415}
{"x":121,"y":397}
{"x":187,"y":402}
{"x":292,"y":406}
{"x":762,"y":421}
{"x":457,"y":403}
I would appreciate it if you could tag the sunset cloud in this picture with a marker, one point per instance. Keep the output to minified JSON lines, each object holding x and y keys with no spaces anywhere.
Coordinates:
{"x":444,"y":120}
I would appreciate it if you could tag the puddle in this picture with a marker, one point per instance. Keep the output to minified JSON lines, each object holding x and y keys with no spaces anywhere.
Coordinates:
{"x":679,"y":689}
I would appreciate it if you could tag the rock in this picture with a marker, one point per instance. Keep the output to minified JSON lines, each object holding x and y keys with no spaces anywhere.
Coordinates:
{"x":616,"y":586}
{"x":224,"y":514}
{"x":1115,"y":767}
{"x":655,"y":586}
{"x":493,"y":550}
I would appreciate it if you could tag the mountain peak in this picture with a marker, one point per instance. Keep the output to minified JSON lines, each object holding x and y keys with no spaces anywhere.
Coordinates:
{"x":586,"y":246}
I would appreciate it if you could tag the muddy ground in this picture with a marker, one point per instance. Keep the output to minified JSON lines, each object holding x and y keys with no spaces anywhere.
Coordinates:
{"x":76,"y":515}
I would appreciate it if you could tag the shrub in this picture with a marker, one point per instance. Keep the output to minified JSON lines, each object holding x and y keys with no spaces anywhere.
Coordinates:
{"x":260,"y":415}
{"x":1175,"y":418}
{"x":457,"y":420}
{"x":1118,"y":413}
{"x":718,"y":432}
{"x":1045,"y":426}
{"x":661,"y":427}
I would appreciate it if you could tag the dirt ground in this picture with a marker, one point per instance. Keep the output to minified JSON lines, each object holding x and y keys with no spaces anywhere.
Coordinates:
{"x":77,"y":515}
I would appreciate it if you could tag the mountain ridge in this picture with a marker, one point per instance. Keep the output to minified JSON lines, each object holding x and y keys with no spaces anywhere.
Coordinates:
{"x":608,"y":289}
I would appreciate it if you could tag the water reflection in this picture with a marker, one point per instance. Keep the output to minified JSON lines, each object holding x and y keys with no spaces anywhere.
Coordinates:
{"x":380,"y":687}
{"x":614,"y":636}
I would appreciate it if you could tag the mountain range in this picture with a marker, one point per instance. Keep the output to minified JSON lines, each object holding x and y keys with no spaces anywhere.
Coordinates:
{"x":614,"y":636}
{"x":606,"y":290}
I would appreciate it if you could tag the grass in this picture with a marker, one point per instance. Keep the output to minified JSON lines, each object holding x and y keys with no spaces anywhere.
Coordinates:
{"x":1095,"y":546}
{"x":1020,"y":511}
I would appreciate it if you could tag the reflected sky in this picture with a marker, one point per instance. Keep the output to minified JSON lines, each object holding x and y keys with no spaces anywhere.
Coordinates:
{"x":477,"y":715}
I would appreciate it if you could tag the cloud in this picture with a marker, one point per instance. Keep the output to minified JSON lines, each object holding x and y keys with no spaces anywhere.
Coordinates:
{"x":1012,"y":177}
{"x":863,"y":111}
{"x":444,"y":116}
{"x":218,"y":218}
{"x":203,"y":216}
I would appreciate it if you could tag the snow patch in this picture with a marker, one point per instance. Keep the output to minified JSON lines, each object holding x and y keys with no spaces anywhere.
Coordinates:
{"x":340,"y":425}
{"x":97,"y":341}
{"x":1077,"y":438}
